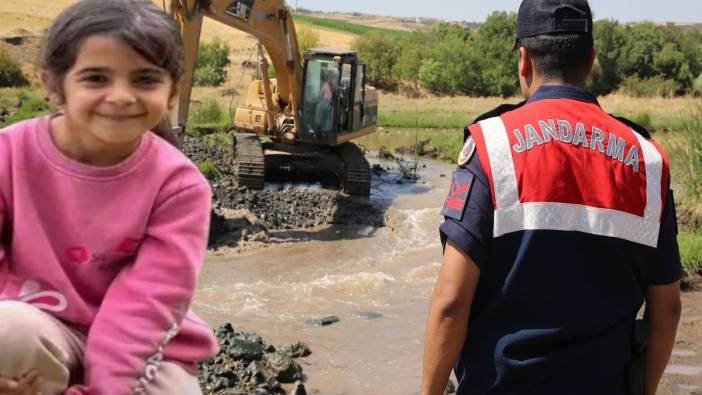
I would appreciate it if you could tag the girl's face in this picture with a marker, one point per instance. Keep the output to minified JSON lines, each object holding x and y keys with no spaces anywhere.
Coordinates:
{"x":112,"y":95}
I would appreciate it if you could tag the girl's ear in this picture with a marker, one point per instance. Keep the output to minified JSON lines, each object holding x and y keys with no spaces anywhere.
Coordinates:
{"x":175,"y":92}
{"x":52,"y":87}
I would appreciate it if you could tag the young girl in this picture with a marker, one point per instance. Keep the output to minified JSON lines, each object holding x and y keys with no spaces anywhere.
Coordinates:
{"x":103,"y":224}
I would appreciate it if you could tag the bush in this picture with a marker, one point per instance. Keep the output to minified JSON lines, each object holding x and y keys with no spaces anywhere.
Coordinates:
{"x":644,"y":119}
{"x":212,"y":63}
{"x":10,"y":72}
{"x":649,"y":87}
{"x":380,"y":53}
{"x":691,"y":252}
{"x":209,"y":113}
{"x":697,"y":86}
{"x":209,"y":170}
{"x":307,"y":38}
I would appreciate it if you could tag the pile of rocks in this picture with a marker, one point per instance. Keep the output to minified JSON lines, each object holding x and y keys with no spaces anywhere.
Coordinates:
{"x":245,"y":364}
{"x":283,"y":208}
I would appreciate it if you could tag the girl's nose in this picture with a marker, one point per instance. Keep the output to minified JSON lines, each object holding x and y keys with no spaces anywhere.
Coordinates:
{"x":121,"y":95}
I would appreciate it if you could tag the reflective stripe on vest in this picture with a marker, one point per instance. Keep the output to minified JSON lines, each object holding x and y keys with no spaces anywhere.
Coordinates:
{"x":511,"y":215}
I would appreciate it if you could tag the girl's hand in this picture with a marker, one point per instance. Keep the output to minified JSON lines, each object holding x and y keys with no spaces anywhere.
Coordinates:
{"x":24,"y":386}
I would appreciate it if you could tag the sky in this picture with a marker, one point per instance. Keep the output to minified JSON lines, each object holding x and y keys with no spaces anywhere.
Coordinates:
{"x":477,"y":10}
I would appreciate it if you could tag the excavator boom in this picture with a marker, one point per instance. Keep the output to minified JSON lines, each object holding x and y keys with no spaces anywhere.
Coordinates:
{"x":269,"y":21}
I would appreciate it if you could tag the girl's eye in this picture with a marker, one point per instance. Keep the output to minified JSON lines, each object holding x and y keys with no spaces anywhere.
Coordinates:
{"x":147,"y":81}
{"x":95,"y":79}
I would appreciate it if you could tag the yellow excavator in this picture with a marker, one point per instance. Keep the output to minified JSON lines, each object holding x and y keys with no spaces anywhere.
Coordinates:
{"x":302,"y":121}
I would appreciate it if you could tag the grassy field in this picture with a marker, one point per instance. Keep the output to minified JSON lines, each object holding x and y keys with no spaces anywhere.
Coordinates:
{"x":348,"y":27}
{"x":656,"y":114}
{"x":691,"y":251}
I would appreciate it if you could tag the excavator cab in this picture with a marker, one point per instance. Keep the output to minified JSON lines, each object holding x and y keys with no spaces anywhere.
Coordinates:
{"x":334,"y":105}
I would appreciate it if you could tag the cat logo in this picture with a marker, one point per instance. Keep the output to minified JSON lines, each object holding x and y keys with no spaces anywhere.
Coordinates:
{"x":240,"y":9}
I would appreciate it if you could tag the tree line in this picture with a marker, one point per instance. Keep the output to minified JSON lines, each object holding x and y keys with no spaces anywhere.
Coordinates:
{"x":642,"y":59}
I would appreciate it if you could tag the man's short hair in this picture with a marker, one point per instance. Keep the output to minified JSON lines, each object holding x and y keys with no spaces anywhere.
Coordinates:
{"x":560,"y":56}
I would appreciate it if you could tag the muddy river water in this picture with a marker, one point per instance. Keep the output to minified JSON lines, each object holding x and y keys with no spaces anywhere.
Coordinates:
{"x":346,"y":271}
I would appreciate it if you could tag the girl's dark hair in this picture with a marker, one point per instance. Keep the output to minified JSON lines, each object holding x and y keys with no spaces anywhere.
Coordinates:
{"x":138,"y":23}
{"x":562,"y":56}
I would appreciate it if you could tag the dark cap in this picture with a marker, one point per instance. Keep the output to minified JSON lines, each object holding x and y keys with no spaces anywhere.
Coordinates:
{"x":540,"y":17}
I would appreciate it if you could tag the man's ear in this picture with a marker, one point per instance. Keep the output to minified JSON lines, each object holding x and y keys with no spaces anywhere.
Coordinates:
{"x":525,"y":66}
{"x":591,"y":66}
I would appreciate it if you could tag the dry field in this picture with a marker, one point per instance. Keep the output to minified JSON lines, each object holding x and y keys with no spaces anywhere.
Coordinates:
{"x":31,"y":17}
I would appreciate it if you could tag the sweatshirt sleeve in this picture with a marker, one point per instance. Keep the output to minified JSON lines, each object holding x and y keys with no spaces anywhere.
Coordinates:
{"x":3,"y":232}
{"x":146,"y":303}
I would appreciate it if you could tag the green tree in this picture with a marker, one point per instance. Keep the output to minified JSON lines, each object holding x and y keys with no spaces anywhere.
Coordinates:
{"x":451,"y":67}
{"x":497,"y":57}
{"x":212,"y":63}
{"x":380,"y":53}
{"x":414,"y":50}
{"x":609,"y":41}
{"x":661,"y":51}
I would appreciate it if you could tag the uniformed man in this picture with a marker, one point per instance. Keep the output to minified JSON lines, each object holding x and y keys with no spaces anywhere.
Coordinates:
{"x":559,"y":224}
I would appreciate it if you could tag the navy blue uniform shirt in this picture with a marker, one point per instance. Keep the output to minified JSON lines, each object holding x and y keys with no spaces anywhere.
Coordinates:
{"x":553,"y":311}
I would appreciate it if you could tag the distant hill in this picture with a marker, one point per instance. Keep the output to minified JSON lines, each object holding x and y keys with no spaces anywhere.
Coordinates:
{"x":383,"y":22}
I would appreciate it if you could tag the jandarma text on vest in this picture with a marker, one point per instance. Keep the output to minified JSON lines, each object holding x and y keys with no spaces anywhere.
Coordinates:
{"x":564,"y":132}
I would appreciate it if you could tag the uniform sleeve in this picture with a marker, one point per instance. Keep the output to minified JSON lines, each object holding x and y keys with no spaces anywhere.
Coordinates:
{"x":146,"y":303}
{"x":471,"y":230}
{"x":666,"y":267}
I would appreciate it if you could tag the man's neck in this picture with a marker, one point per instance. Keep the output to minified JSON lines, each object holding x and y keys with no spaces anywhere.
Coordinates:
{"x":538,"y":82}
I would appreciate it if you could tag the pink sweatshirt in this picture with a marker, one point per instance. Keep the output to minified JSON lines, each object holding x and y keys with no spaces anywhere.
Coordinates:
{"x":113,"y":251}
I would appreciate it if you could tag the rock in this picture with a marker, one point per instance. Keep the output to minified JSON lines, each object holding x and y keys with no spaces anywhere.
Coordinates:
{"x":235,"y":391}
{"x":220,"y":384}
{"x":328,"y":320}
{"x":258,"y":373}
{"x":245,"y":349}
{"x":369,"y":315}
{"x":285,"y":369}
{"x":299,"y":389}
{"x":378,"y":170}
{"x":297,"y":350}
{"x":224,"y":330}
{"x":229,"y":375}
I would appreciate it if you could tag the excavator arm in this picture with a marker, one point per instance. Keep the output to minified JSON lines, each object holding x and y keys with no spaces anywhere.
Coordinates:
{"x":269,"y":21}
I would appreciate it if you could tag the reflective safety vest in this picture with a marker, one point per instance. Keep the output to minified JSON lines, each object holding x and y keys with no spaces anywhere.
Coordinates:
{"x":566,"y":165}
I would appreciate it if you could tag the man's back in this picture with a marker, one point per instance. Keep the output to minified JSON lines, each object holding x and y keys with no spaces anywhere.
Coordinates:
{"x":577,"y":198}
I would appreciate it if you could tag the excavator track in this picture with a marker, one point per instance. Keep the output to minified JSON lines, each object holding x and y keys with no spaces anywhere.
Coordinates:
{"x":356,"y":179}
{"x":249,"y":164}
